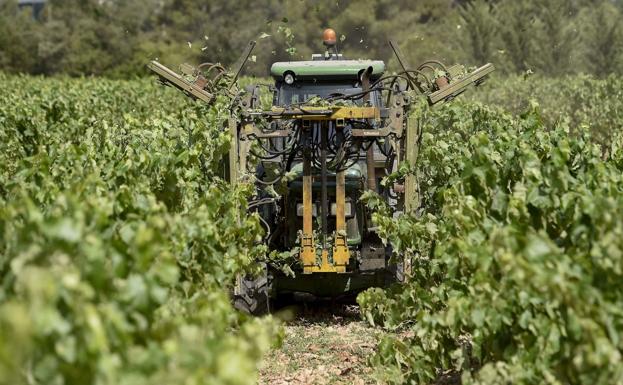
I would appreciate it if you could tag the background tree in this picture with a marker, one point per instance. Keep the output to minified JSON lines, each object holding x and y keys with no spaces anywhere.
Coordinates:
{"x":117,"y":38}
{"x":516,"y":26}
{"x":602,"y":35}
{"x":557,"y":35}
{"x":17,"y":44}
{"x":479,"y":19}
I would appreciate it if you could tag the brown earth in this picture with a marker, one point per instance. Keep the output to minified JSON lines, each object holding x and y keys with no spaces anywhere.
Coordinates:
{"x":324,"y":344}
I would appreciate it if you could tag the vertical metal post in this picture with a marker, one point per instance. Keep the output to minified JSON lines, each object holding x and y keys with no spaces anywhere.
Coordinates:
{"x":411,"y":149}
{"x":233,"y":152}
{"x":341,"y":254}
{"x":324,"y":127}
{"x":307,"y":197}
{"x":308,"y":250}
{"x":340,"y":201}
{"x":232,"y":171}
{"x":370,"y":166}
{"x":244,"y":145}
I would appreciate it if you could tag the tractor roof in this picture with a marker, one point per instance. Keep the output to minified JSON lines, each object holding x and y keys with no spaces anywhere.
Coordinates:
{"x":327,"y":68}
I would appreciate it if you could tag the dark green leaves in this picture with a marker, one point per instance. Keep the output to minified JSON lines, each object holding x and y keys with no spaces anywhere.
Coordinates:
{"x":515,"y":260}
{"x":118,"y":241}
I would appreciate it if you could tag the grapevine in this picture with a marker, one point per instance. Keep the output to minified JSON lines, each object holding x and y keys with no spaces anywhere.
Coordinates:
{"x":118,"y":238}
{"x":516,"y":252}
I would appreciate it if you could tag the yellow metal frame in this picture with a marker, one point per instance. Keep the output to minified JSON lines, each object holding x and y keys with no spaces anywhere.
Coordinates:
{"x":336,"y":259}
{"x":309,"y":253}
{"x":327,"y":113}
{"x":340,"y":252}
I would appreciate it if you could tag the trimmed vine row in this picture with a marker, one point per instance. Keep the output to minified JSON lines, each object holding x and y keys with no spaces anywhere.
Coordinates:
{"x":118,"y":239}
{"x":516,"y":252}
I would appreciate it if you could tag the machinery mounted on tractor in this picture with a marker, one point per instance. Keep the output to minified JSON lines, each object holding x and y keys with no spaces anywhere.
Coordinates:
{"x":335,"y":128}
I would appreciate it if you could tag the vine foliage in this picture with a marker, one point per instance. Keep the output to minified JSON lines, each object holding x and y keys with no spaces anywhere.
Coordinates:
{"x":516,"y":254}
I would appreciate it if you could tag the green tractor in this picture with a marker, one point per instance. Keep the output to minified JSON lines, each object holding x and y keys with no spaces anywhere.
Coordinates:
{"x":336,"y":127}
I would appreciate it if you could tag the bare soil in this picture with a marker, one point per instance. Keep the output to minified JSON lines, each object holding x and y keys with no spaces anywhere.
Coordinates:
{"x":324,"y":344}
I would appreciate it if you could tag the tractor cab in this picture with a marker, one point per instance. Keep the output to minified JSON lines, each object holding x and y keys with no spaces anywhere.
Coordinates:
{"x":316,"y":83}
{"x":298,"y":82}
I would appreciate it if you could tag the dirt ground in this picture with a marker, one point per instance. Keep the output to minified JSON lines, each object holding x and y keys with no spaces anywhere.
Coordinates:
{"x":324,"y":344}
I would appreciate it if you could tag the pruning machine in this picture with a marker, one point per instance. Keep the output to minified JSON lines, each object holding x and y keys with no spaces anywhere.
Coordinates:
{"x":335,"y":128}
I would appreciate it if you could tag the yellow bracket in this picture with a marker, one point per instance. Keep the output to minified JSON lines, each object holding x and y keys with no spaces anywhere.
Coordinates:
{"x":326,"y":113}
{"x":325,"y":266}
{"x":341,"y":254}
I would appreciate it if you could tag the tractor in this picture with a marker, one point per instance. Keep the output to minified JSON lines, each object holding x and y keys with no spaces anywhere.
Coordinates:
{"x":335,"y":129}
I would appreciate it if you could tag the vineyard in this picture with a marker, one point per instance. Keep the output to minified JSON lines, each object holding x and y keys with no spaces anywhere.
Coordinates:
{"x":517,"y":249}
{"x":120,"y":241}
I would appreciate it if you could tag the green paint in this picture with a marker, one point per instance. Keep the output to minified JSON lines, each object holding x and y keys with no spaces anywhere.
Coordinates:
{"x":342,"y":68}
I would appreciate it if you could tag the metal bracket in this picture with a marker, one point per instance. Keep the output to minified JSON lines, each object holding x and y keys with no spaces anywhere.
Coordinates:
{"x":457,"y":87}
{"x":171,"y":78}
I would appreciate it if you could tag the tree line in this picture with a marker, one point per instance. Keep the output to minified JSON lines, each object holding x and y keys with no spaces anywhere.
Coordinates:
{"x":117,"y":38}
